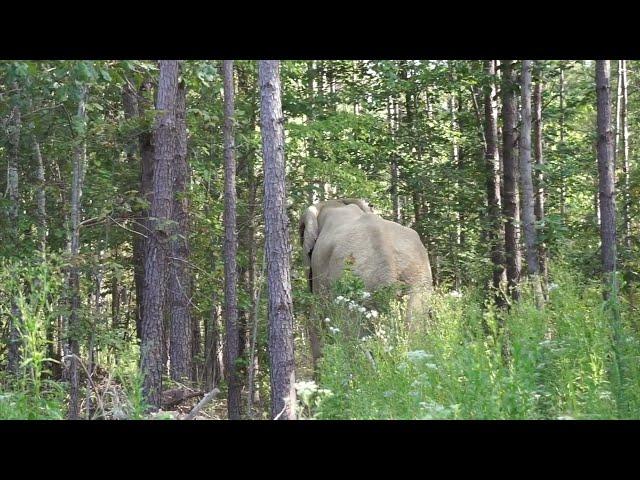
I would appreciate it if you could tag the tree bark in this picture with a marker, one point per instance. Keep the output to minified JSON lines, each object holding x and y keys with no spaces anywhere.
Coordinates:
{"x":511,"y":203}
{"x":72,"y":333}
{"x":14,"y":127}
{"x":526,"y":185}
{"x":492,"y":166}
{"x":230,"y":248}
{"x":626,"y":198}
{"x":179,"y":285}
{"x":160,"y":225}
{"x":278,"y":249}
{"x":539,"y":175}
{"x":606,"y":172}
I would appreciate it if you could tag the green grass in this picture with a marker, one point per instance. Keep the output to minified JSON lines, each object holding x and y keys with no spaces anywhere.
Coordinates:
{"x":561,"y":361}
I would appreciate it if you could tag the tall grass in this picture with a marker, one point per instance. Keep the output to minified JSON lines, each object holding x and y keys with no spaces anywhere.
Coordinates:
{"x":561,"y":362}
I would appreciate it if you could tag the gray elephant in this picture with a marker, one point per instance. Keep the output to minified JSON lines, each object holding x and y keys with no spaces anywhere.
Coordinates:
{"x":382,"y":252}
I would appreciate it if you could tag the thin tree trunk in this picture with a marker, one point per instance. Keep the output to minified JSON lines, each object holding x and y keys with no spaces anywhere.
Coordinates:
{"x":626,"y":198}
{"x":510,"y":205}
{"x":455,"y":163}
{"x":563,"y":186}
{"x":391,"y":116}
{"x":526,"y":184}
{"x":230,"y":247}
{"x":156,"y":268}
{"x":492,"y":166}
{"x":606,"y":173}
{"x":72,"y":344}
{"x":14,"y":127}
{"x":179,"y":285}
{"x":539,"y":176}
{"x":278,"y":249}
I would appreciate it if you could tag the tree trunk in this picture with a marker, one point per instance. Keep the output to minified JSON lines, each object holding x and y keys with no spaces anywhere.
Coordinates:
{"x":278,"y":249}
{"x":626,"y":198}
{"x":539,"y":176}
{"x":14,"y":127}
{"x":492,"y":166}
{"x":72,"y":344}
{"x":155,"y":271}
{"x":510,"y":205}
{"x":606,"y":172}
{"x":179,"y":285}
{"x":134,"y":106}
{"x":230,"y":248}
{"x":563,"y":187}
{"x":526,"y":184}
{"x":392,"y":118}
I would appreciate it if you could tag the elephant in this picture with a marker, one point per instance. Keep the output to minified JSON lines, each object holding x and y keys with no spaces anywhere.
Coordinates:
{"x":381,"y":252}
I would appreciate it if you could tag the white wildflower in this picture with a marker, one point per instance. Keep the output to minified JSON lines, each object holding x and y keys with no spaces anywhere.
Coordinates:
{"x":352,"y":305}
{"x":455,"y":294}
{"x":366,"y":294}
{"x":339,"y":299}
{"x":362,"y":309}
{"x":327,"y":320}
{"x":334,"y":330}
{"x":374,"y":313}
{"x":418,"y":356}
{"x":565,"y":417}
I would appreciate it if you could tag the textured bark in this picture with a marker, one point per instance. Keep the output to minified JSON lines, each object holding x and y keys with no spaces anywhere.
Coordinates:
{"x":230,"y":247}
{"x":492,"y":166}
{"x":179,"y":285}
{"x":278,"y":249}
{"x":156,"y":268}
{"x":14,"y":127}
{"x":134,"y":107}
{"x":72,"y":343}
{"x":526,"y":184}
{"x":131,"y":111}
{"x":626,"y":193}
{"x":246,"y":185}
{"x":510,"y":204}
{"x":41,"y":199}
{"x":539,"y":175}
{"x":606,"y":169}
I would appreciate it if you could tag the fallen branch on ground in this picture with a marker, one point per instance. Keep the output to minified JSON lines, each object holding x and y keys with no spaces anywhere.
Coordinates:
{"x":208,"y":397}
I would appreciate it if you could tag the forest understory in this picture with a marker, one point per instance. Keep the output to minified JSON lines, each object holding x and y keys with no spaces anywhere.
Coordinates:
{"x":154,"y":263}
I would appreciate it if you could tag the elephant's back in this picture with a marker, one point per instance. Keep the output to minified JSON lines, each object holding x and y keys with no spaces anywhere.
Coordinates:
{"x":382,"y":252}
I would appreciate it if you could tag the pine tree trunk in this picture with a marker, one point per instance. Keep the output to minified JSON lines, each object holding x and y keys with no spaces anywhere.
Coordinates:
{"x":72,"y":343}
{"x":160,"y":226}
{"x":134,"y":105}
{"x":230,"y":248}
{"x":179,"y":285}
{"x":511,"y":203}
{"x":526,"y":185}
{"x":492,"y":166}
{"x":606,"y":172}
{"x":278,"y":249}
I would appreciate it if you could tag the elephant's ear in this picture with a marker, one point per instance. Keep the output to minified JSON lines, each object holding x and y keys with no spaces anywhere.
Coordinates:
{"x":309,"y":231}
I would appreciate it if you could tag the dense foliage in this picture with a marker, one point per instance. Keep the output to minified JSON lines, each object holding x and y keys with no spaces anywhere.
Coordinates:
{"x":349,"y":127}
